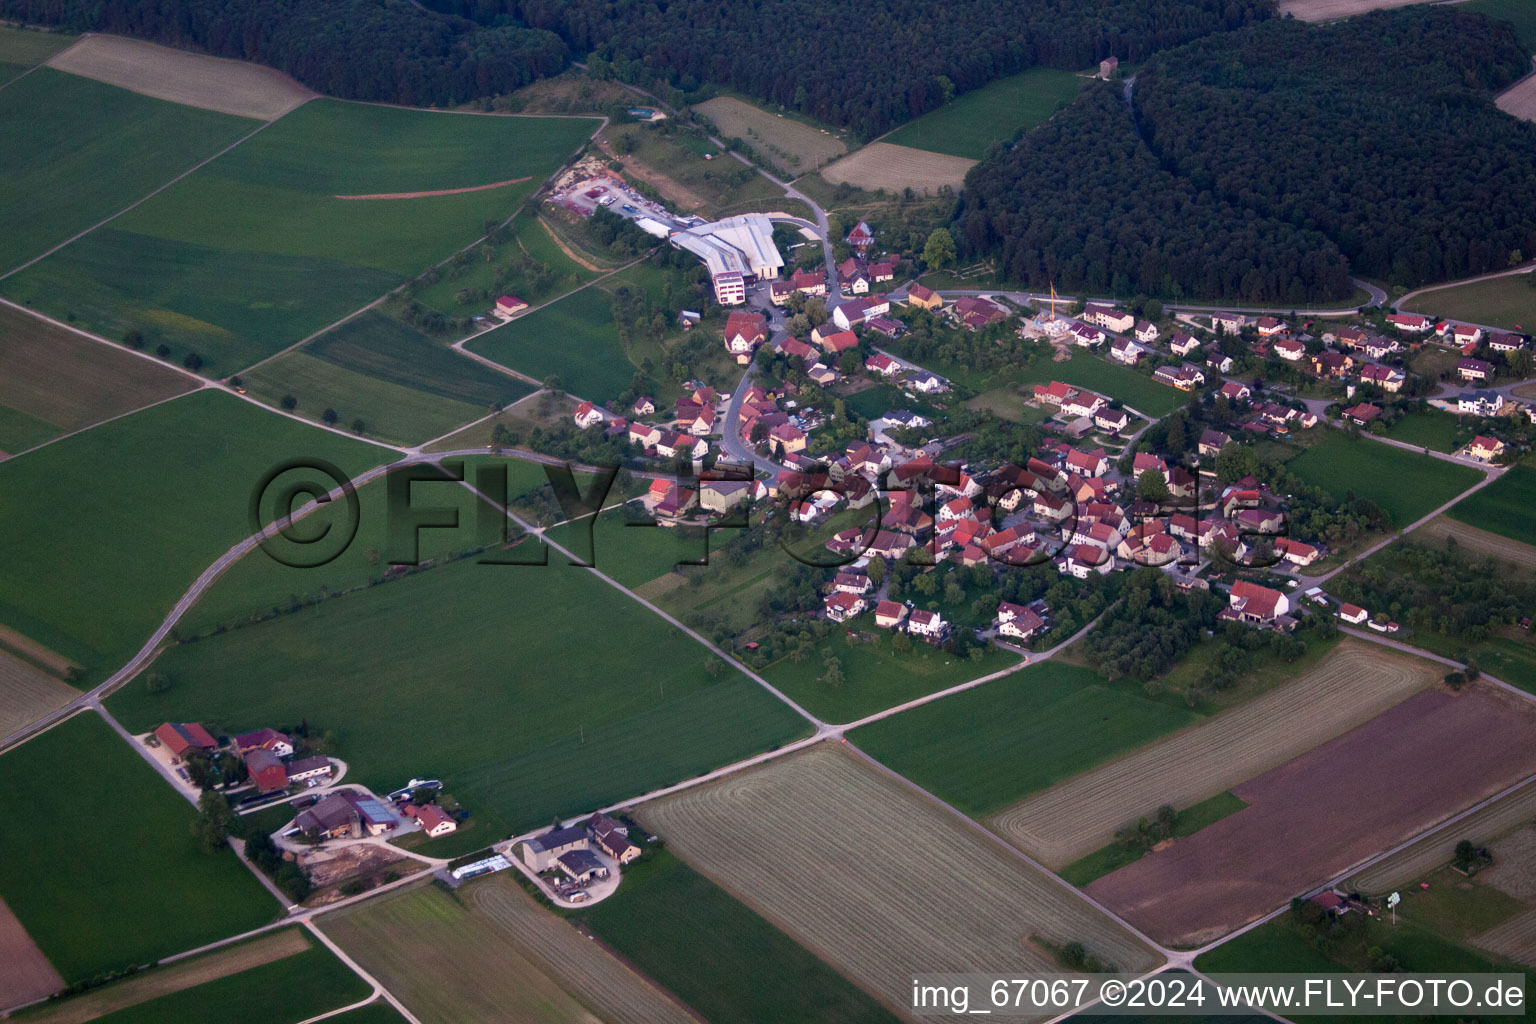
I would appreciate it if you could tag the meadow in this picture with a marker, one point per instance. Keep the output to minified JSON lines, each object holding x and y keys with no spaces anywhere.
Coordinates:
{"x":931,"y":892}
{"x":488,"y":953}
{"x":694,"y":939}
{"x":1507,"y":302}
{"x":983,"y":749}
{"x":1434,"y":428}
{"x":21,"y":49}
{"x":95,"y":906}
{"x":258,"y":587}
{"x":77,"y":151}
{"x":275,"y":249}
{"x":1506,"y":507}
{"x":794,"y":145}
{"x":152,"y":500}
{"x":403,"y":385}
{"x":530,"y":238}
{"x":1407,"y":485}
{"x":61,"y":381}
{"x":970,"y":123}
{"x":876,"y":678}
{"x":675,"y":165}
{"x":577,"y":339}
{"x":547,"y":691}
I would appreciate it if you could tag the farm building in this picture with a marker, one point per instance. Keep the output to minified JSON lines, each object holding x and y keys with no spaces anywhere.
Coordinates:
{"x":540,"y":852}
{"x":181,"y":738}
{"x":267,"y":771}
{"x":264,"y":739}
{"x":302,"y":769}
{"x":434,"y":820}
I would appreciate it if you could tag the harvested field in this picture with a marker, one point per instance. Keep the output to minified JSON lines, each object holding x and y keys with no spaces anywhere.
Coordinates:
{"x":28,"y":693}
{"x":69,"y":381}
{"x":929,"y":893}
{"x":881,"y":165}
{"x":1309,"y":819}
{"x":794,"y":144}
{"x":25,"y":974}
{"x":1081,"y":815}
{"x":174,"y":978}
{"x":1478,"y":541}
{"x":1514,"y":864}
{"x":195,"y":79}
{"x":490,"y":953}
{"x":1327,"y":10}
{"x":1520,"y":99}
{"x":1515,"y":938}
{"x":1412,"y":863}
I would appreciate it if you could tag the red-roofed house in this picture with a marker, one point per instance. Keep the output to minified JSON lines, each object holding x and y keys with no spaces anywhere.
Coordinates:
{"x":267,"y":771}
{"x":842,"y":606}
{"x":587,"y":415}
{"x":1353,"y":614}
{"x":1018,"y":621}
{"x":890,"y":614}
{"x":1413,"y":323}
{"x":1254,"y":603}
{"x":507,"y":306}
{"x":181,"y":738}
{"x":838,"y":342}
{"x":743,"y":333}
{"x":434,"y":820}
{"x":924,"y":298}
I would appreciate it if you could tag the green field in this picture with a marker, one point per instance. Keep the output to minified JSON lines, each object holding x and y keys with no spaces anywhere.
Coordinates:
{"x":20,"y":50}
{"x":105,"y":530}
{"x":1506,"y":507}
{"x":106,"y":875}
{"x":1520,"y":12}
{"x":876,"y":678}
{"x":77,"y":151}
{"x":257,"y":250}
{"x":716,"y":954}
{"x":577,"y":339}
{"x":530,"y":691}
{"x":1407,"y":485}
{"x":1116,"y":855}
{"x":57,"y":381}
{"x":1434,"y":428}
{"x":404,"y":386}
{"x":992,"y":746}
{"x":1508,"y":302}
{"x":530,"y":239}
{"x":258,"y":586}
{"x":292,"y":989}
{"x":967,"y":125}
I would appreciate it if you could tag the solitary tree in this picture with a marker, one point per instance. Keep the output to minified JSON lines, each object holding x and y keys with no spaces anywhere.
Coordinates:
{"x":939,"y":251}
{"x":329,"y":416}
{"x":358,"y":426}
{"x":289,"y":403}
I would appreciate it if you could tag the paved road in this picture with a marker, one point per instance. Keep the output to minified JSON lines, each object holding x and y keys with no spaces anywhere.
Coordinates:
{"x":1377,"y":297}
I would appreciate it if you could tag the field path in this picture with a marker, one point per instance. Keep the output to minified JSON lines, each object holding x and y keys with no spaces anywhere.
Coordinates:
{"x":438,"y":192}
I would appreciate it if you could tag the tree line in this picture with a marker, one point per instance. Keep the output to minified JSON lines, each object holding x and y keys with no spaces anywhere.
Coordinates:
{"x":1270,"y":163}
{"x":867,"y":67}
{"x":384,"y":50}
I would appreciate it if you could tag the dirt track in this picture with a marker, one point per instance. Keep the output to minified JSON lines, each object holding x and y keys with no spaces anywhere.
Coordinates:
{"x":438,"y":192}
{"x":165,"y":980}
{"x":1309,"y":819}
{"x":213,"y":83}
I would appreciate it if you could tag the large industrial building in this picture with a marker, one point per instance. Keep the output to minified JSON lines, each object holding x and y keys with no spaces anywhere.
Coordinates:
{"x":737,"y":251}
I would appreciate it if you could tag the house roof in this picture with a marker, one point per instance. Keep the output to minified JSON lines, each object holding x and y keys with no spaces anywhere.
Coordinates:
{"x":182,"y":736}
